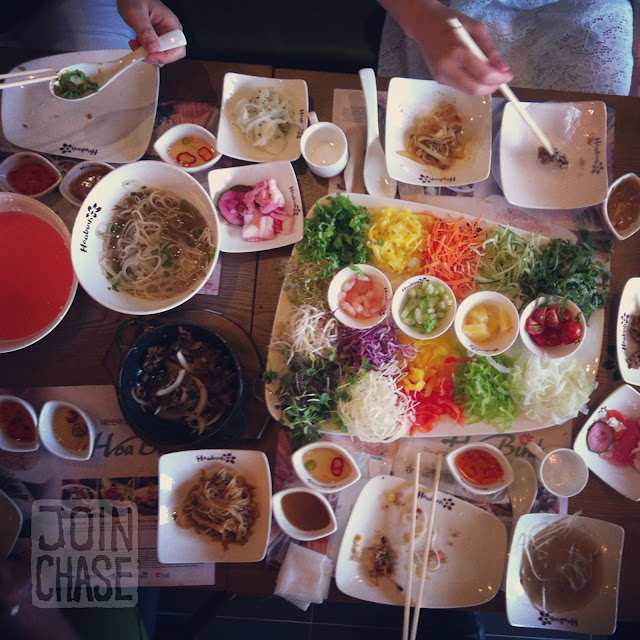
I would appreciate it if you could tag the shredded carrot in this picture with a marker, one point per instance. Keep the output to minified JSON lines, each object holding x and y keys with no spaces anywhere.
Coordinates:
{"x":452,"y":252}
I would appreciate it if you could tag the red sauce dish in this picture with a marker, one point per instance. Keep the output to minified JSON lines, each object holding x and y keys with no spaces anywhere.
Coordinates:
{"x":18,"y":425}
{"x":29,"y":174}
{"x":480,"y":468}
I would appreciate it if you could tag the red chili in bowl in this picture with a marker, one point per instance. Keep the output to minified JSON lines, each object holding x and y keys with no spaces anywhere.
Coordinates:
{"x":479,"y":467}
{"x":31,"y":177}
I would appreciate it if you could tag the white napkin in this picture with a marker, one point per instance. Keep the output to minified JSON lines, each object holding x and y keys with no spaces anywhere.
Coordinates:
{"x":304,"y":577}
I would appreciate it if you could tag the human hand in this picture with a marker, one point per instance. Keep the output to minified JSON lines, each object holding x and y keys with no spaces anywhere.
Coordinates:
{"x":449,"y":61}
{"x":149,"y":19}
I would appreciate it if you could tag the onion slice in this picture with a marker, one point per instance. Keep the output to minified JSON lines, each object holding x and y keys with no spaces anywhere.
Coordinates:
{"x":174,"y":385}
{"x":183,"y":361}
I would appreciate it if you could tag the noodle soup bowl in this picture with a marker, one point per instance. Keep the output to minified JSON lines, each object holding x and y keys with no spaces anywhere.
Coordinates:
{"x":97,"y":214}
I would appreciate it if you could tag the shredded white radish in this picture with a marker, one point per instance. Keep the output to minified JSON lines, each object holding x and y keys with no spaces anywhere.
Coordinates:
{"x":552,"y":389}
{"x":309,"y":331}
{"x":377,"y":411}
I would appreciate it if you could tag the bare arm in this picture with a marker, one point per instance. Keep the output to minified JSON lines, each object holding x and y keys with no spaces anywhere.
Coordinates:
{"x":425,"y":21}
{"x":149,"y":19}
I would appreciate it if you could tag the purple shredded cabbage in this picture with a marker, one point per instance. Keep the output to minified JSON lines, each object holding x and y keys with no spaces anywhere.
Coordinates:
{"x":379,"y":345}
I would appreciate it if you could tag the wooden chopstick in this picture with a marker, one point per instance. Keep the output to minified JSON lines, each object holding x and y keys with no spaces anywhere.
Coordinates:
{"x":26,"y":72}
{"x":21,"y":83}
{"x":412,"y":540}
{"x":427,"y":546}
{"x":463,"y":35}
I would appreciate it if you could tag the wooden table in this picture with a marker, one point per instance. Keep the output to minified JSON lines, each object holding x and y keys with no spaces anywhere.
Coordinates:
{"x":72,"y":354}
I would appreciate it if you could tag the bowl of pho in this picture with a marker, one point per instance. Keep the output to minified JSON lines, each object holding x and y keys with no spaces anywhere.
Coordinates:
{"x":146,"y":239}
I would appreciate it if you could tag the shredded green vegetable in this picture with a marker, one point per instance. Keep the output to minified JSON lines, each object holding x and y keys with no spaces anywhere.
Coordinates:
{"x":335,"y":236}
{"x":508,"y":256}
{"x":485,"y":393}
{"x":74,"y":84}
{"x":568,"y":270}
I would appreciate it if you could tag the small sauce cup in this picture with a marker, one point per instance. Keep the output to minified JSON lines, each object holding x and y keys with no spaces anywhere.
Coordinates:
{"x":66,"y":430}
{"x":325,"y":466}
{"x":18,"y":425}
{"x":324,"y":147}
{"x":304,"y":514}
{"x":621,"y":209}
{"x":563,"y":472}
{"x":81,"y":178}
{"x":29,"y":174}
{"x":480,"y":468}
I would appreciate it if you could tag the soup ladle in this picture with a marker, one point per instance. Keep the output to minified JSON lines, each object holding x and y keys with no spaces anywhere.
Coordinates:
{"x":104,"y":73}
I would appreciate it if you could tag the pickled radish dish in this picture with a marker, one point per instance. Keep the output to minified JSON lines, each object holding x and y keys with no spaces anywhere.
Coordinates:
{"x":425,"y":306}
{"x":260,"y":210}
{"x":554,"y":324}
{"x":362,"y":296}
{"x":615,"y":437}
{"x":191,"y":151}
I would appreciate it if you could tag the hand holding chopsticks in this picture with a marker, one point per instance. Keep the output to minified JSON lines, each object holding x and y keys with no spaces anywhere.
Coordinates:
{"x":463,"y":35}
{"x":427,"y":548}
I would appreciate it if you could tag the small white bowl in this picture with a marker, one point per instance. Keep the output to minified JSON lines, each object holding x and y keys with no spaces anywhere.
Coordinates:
{"x":503,"y":340}
{"x":163,"y":143}
{"x":632,"y":177}
{"x":9,"y":444}
{"x":561,"y":350}
{"x":324,"y":487}
{"x":76,"y":171}
{"x":290,"y":529}
{"x":45,"y":425}
{"x":336,"y":286}
{"x":400,"y":296}
{"x":507,"y":470}
{"x":22,"y":157}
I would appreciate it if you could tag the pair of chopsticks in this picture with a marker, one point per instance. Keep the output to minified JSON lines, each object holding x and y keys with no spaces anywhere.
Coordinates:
{"x":427,"y":547}
{"x":463,"y":35}
{"x":30,"y":79}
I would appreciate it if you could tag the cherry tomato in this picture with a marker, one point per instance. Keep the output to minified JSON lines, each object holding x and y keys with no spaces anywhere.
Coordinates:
{"x":552,"y":317}
{"x":552,"y":337}
{"x":539,"y":314}
{"x":533,"y":327}
{"x":570,"y":332}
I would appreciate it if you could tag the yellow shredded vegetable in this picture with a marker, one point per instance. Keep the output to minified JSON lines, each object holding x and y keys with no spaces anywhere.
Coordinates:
{"x":395,"y":238}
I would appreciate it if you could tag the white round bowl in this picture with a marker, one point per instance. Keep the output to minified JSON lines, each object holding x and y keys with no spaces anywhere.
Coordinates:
{"x":293,"y":531}
{"x":86,"y":245}
{"x":503,"y":340}
{"x":25,"y":204}
{"x":561,"y":350}
{"x":622,"y":235}
{"x":336,"y":286}
{"x":9,"y":444}
{"x":47,"y":435}
{"x":16,"y":159}
{"x":507,"y":470}
{"x":400,"y":296}
{"x":324,"y":487}
{"x":73,"y":173}
{"x":170,"y":136}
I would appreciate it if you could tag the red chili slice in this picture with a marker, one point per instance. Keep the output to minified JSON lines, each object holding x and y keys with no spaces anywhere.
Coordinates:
{"x":337,"y":466}
{"x":186,"y":159}
{"x":205,"y":154}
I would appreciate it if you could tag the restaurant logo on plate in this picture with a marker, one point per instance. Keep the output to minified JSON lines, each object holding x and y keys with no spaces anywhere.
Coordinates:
{"x":84,"y":555}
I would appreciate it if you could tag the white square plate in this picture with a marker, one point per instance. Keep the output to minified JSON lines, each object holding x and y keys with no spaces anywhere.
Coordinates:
{"x":625,"y":480}
{"x":114,"y":126}
{"x":472,"y":544}
{"x":177,"y":472}
{"x":577,"y":129}
{"x":233,"y":143}
{"x":224,"y":179}
{"x":599,"y":617}
{"x":408,"y":99}
{"x":625,"y":346}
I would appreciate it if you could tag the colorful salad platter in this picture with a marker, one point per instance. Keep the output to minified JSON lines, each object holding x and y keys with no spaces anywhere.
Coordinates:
{"x":594,"y":547}
{"x":323,"y":374}
{"x":628,"y":332}
{"x":609,"y":441}
{"x":114,"y":127}
{"x":466,"y":562}
{"x":262,"y":119}
{"x":259,"y":206}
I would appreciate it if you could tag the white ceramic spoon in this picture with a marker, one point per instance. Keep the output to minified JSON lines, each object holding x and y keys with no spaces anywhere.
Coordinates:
{"x":376,"y":178}
{"x":106,"y":72}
